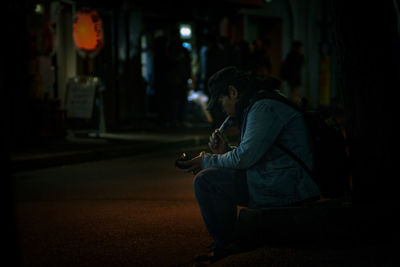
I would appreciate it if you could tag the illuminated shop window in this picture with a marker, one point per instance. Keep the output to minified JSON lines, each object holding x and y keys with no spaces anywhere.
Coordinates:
{"x":39,"y":9}
{"x":185,"y":31}
{"x":187,"y":45}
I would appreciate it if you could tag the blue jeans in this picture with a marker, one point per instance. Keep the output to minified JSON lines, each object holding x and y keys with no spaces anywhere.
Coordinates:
{"x":218,"y":193}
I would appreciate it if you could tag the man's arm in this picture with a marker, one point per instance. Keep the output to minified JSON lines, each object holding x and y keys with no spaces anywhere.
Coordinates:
{"x":262,"y":129}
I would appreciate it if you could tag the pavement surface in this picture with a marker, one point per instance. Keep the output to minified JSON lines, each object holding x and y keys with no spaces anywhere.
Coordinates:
{"x":100,"y":201}
{"x":78,"y":148}
{"x":129,"y":211}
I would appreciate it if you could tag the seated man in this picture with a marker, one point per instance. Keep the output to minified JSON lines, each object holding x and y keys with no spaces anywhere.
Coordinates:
{"x":257,"y":173}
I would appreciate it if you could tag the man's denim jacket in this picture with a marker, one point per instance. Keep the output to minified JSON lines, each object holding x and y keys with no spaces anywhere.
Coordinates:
{"x":273,"y":177}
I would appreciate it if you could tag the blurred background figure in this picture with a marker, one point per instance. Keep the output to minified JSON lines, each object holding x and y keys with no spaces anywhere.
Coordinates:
{"x":259,"y":60}
{"x":179,"y":71}
{"x":160,"y":48}
{"x":213,"y":54}
{"x":172,"y":72}
{"x":291,"y":70}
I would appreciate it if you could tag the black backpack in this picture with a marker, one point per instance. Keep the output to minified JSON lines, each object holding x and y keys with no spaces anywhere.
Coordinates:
{"x":330,"y":151}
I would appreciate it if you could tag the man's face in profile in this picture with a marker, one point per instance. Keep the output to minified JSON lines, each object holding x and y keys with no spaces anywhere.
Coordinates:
{"x":228,"y":102}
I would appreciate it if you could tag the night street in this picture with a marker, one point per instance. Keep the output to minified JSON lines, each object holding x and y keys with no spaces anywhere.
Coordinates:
{"x":297,"y":98}
{"x":137,"y":211}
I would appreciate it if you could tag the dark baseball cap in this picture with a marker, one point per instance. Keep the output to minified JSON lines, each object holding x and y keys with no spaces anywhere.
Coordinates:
{"x":220,"y":80}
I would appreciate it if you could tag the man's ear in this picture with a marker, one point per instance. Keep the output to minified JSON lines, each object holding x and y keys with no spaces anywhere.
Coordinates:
{"x":233,"y":92}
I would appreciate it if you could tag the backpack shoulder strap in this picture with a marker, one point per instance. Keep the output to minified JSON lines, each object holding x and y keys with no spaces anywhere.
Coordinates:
{"x":296,"y":158}
{"x":275,"y":94}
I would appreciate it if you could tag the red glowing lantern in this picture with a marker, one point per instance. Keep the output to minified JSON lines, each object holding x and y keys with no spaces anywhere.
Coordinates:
{"x":88,"y":31}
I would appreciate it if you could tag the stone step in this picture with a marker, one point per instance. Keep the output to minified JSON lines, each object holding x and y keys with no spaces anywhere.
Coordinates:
{"x":329,"y":220}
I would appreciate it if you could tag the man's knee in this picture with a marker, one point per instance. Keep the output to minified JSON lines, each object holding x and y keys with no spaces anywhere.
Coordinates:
{"x":201,"y":180}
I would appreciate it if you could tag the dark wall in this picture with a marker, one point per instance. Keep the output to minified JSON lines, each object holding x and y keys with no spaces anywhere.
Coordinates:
{"x":368,"y":50}
{"x":14,"y":113}
{"x":16,"y":98}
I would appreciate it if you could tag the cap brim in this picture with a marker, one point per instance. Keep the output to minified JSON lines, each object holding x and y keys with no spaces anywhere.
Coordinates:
{"x":211,"y":103}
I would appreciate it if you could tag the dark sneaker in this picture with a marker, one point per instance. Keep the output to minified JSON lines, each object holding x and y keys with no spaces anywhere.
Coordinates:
{"x":214,"y":255}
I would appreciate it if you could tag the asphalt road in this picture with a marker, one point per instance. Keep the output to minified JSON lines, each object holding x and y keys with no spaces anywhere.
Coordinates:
{"x":137,"y":211}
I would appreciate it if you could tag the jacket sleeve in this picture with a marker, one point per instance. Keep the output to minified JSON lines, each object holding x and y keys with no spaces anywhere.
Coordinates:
{"x":262,"y":129}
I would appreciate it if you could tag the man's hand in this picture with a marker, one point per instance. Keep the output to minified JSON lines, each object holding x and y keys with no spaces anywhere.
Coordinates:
{"x":194,"y":165}
{"x":217,"y":143}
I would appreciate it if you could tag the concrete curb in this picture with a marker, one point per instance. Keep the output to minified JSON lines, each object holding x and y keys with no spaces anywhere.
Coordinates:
{"x":321,"y":221}
{"x":119,"y":149}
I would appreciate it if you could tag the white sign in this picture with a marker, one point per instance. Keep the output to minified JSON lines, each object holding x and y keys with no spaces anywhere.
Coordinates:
{"x":80,"y":98}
